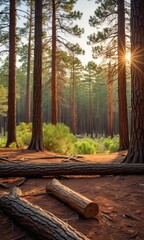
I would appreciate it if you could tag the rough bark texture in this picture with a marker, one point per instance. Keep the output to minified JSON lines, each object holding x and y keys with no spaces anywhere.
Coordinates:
{"x":83,"y":205}
{"x":110,"y":101}
{"x":73,"y":101}
{"x":136,"y":148}
{"x":11,"y":137}
{"x":122,"y":100}
{"x":27,"y":100}
{"x":36,"y":141}
{"x":43,"y":224}
{"x":90,"y":108}
{"x":54,"y":78}
{"x":57,"y":169}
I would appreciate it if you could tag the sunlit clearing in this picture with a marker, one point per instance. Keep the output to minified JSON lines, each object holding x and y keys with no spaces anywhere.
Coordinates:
{"x":128,"y":56}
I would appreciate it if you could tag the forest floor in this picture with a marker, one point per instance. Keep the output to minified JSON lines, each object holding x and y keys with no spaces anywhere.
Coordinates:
{"x":120,"y":199}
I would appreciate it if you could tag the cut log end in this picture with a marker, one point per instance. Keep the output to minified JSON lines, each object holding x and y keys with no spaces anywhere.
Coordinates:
{"x":81,"y":204}
{"x":91,"y":210}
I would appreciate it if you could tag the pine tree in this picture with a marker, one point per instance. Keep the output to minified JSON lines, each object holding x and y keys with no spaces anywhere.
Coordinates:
{"x":11,"y":137}
{"x":63,"y":17}
{"x":37,"y":136}
{"x":136,"y":147}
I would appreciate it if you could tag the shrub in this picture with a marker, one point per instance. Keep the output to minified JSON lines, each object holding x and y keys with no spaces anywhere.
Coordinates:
{"x":85,"y":146}
{"x":13,"y":145}
{"x":24,"y":134}
{"x":99,"y":145}
{"x":57,"y":138}
{"x":113,"y":144}
{"x":3,"y":142}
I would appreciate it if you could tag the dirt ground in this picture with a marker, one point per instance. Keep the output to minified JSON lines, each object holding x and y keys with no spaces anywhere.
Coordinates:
{"x":120,"y":199}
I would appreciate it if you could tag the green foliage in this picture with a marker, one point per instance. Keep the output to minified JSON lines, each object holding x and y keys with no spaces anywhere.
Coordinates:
{"x":13,"y":145}
{"x":58,"y":138}
{"x":24,"y":134}
{"x":85,"y":146}
{"x":3,"y":101}
{"x":112,"y":144}
{"x":3,"y":142}
{"x":99,"y":145}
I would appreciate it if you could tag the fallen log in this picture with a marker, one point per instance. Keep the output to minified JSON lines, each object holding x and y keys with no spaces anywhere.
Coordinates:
{"x":57,"y":169}
{"x":42,"y":224}
{"x":83,"y":205}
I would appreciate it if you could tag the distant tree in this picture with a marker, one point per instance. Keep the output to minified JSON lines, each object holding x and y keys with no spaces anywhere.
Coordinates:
{"x":11,"y":137}
{"x":27,"y":99}
{"x":63,"y":17}
{"x":54,"y":80}
{"x":136,"y":147}
{"x":110,"y":100}
{"x":75,"y":67}
{"x":90,"y":79}
{"x":37,"y":137}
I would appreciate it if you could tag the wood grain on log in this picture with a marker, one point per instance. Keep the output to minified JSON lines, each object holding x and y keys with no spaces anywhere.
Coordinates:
{"x":56,"y":169}
{"x":43,"y":224}
{"x":83,"y":205}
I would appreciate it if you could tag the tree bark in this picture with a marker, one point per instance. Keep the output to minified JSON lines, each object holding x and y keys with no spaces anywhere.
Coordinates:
{"x":57,"y":169}
{"x":110,"y":101}
{"x":73,"y":101}
{"x":36,"y":141}
{"x":83,"y":205}
{"x":136,"y":148}
{"x":43,"y":224}
{"x":122,"y":99}
{"x":54,"y":78}
{"x":11,"y":137}
{"x":27,"y":99}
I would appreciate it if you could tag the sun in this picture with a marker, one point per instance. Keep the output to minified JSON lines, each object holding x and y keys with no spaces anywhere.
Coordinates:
{"x":128,"y":57}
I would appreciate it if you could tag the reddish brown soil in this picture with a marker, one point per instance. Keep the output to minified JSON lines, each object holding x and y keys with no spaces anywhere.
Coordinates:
{"x":120,"y":199}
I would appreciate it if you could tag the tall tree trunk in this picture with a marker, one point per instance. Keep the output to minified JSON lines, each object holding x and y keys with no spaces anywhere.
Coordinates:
{"x":136,"y":148}
{"x":90,"y":109}
{"x":73,"y":106}
{"x":54,"y":80}
{"x":12,"y":76}
{"x":122,"y":101}
{"x":27,"y":100}
{"x":36,"y":141}
{"x":110,"y":102}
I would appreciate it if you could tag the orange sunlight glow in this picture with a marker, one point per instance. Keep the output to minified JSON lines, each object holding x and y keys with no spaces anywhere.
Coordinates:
{"x":128,"y":57}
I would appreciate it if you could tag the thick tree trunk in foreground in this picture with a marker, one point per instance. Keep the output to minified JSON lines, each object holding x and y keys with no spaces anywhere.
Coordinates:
{"x":36,"y":141}
{"x":136,"y":148}
{"x":43,"y":224}
{"x":83,"y":205}
{"x":122,"y":100}
{"x":57,"y":169}
{"x":11,"y":137}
